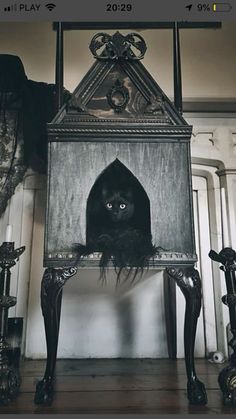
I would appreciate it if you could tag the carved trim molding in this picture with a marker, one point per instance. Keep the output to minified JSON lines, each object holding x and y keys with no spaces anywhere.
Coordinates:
{"x":103,"y":131}
{"x":160,"y":120}
{"x":163,"y":259}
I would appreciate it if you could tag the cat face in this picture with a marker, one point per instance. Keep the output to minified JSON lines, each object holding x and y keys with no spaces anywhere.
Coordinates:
{"x":118,"y":205}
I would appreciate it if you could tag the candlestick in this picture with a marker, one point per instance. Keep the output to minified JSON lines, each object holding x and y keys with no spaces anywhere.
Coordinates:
{"x":227,"y":377}
{"x":8,"y":233}
{"x":9,"y":375}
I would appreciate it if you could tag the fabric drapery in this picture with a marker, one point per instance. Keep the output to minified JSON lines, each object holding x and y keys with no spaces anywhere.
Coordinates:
{"x":25,"y":108}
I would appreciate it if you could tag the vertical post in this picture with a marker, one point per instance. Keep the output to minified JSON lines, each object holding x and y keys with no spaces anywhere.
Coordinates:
{"x":59,"y":65}
{"x":4,"y":291}
{"x":177,"y":70}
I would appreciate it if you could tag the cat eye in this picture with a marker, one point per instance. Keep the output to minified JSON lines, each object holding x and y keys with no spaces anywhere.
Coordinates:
{"x":109,"y":205}
{"x":122,"y":206}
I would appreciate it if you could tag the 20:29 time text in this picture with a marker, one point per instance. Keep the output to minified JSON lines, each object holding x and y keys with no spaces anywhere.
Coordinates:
{"x":116,"y":7}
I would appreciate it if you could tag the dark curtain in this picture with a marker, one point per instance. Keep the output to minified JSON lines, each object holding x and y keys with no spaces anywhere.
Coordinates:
{"x":25,"y":108}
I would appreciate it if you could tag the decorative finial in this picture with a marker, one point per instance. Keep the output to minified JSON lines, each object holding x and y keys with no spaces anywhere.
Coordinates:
{"x":117,"y":46}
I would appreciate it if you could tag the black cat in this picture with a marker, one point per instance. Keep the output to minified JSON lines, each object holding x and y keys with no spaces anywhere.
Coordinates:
{"x":118,"y":204}
{"x":118,"y":221}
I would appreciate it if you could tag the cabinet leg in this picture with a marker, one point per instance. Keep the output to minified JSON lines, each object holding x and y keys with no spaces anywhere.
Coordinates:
{"x":170,"y":315}
{"x":189,"y":282}
{"x":51,"y":295}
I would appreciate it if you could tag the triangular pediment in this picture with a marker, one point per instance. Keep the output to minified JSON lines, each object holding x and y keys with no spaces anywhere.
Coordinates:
{"x":119,"y":88}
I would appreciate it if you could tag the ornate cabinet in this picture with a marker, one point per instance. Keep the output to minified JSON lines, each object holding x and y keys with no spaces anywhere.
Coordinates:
{"x":119,"y":116}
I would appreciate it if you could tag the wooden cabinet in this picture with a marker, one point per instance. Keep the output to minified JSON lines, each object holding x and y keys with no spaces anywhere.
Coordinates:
{"x":118,"y":112}
{"x":118,"y":115}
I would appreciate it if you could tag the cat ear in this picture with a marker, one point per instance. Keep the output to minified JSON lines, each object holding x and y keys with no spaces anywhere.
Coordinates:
{"x":129,"y":194}
{"x":104,"y":191}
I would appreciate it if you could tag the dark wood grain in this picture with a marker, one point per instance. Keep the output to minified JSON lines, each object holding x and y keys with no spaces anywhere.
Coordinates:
{"x":119,"y":386}
{"x":94,"y":382}
{"x":146,"y":366}
{"x":135,"y":25}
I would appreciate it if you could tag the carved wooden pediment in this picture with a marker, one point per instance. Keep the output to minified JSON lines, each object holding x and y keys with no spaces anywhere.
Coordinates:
{"x":118,"y":88}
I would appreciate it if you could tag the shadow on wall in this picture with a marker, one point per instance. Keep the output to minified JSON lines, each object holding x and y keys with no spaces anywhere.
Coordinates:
{"x":105,"y":321}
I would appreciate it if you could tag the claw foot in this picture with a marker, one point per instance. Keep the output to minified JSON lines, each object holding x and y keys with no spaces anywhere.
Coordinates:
{"x":196,"y":392}
{"x":229,"y":398}
{"x":227,"y":382}
{"x":44,"y":393}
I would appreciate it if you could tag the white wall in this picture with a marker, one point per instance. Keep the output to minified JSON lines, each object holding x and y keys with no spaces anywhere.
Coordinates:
{"x":208,"y":56}
{"x":104,"y":322}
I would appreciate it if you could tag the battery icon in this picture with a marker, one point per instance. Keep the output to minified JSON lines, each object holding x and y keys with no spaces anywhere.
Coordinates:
{"x":221,"y":7}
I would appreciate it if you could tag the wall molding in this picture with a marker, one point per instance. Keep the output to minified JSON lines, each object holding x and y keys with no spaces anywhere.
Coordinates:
{"x":226,"y":172}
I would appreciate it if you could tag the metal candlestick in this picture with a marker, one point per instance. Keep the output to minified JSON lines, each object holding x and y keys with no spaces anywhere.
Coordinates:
{"x":9,"y":376}
{"x":227,"y":377}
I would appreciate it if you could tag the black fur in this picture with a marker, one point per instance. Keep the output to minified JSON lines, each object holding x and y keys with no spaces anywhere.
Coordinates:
{"x":118,"y":222}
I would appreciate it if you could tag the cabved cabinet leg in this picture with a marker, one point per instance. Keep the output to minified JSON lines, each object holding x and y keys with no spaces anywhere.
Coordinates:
{"x":188,"y":280}
{"x":51,"y":295}
{"x":170,"y":315}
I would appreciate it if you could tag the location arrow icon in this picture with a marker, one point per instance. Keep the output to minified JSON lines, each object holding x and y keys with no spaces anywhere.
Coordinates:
{"x":189,"y":7}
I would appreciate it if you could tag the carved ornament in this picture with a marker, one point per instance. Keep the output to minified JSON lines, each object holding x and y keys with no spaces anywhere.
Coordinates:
{"x":118,"y":96}
{"x":118,"y":47}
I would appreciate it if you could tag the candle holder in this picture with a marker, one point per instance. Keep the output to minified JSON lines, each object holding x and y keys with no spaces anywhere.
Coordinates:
{"x":10,"y":379}
{"x":227,"y":377}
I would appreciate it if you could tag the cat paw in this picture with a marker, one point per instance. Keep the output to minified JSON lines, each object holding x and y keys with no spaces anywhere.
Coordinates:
{"x":196,"y":392}
{"x":104,"y":241}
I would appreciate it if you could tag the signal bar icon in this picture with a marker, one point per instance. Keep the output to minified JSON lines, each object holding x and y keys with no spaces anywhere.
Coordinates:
{"x":12,"y":8}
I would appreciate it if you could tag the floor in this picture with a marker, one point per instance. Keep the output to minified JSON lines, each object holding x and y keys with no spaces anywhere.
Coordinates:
{"x":119,"y":386}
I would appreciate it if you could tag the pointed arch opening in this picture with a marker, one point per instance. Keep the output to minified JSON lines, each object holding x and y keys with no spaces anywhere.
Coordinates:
{"x":117,"y":183}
